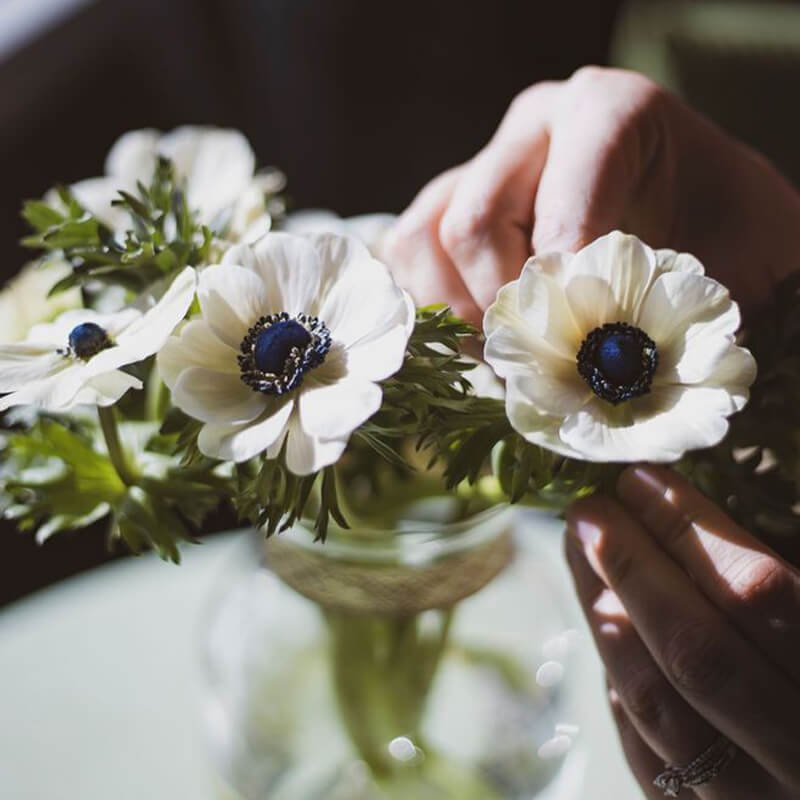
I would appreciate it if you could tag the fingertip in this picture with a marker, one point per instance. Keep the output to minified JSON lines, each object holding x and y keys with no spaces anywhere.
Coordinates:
{"x":587,"y":518}
{"x":594,"y":508}
{"x":641,"y":484}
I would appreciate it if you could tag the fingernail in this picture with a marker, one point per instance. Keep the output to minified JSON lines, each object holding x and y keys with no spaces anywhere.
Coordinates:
{"x":639,"y":486}
{"x":587,"y":533}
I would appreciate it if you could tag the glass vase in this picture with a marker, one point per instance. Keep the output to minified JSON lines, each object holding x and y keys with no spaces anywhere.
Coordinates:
{"x":431,"y":662}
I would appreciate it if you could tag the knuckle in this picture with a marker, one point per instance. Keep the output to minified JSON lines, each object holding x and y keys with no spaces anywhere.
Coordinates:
{"x":675,"y":525}
{"x":461,"y":230}
{"x":616,"y":562}
{"x":411,"y":230}
{"x":764,"y":585}
{"x":590,"y":75}
{"x":632,"y":105}
{"x":530,"y":97}
{"x":399,"y":243}
{"x":642,"y":694}
{"x":697,"y":659}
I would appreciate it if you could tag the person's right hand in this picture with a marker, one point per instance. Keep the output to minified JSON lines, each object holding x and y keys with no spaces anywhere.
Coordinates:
{"x":574,"y":160}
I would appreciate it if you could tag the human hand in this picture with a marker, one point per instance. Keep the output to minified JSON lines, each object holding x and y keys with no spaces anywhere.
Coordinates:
{"x":698,"y":624}
{"x":574,"y":160}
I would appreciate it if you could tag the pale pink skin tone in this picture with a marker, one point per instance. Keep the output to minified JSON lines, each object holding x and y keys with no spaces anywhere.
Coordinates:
{"x":571,"y":161}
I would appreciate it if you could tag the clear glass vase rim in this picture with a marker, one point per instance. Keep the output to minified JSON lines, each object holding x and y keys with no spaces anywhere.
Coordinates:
{"x":411,"y":542}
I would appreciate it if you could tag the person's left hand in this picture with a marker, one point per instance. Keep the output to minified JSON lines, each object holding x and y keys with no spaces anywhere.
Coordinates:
{"x":698,"y":624}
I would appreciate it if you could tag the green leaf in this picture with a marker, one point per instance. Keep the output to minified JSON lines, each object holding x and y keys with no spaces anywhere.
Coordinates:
{"x":56,"y":473}
{"x":40,"y":216}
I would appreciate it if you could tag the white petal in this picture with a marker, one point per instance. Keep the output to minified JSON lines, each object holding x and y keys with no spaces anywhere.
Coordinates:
{"x":23,"y":363}
{"x":511,"y":343}
{"x":542,"y":301}
{"x":551,"y":394}
{"x":216,"y":397}
{"x":232,"y":299}
{"x":133,"y":157}
{"x":147,"y":333}
{"x":290,"y":270}
{"x":678,"y":300}
{"x":695,"y":356}
{"x":25,"y":300}
{"x":380,"y":353}
{"x":53,"y":393}
{"x":314,"y":220}
{"x":539,"y":429}
{"x":242,"y":255}
{"x":659,"y":427}
{"x":336,"y":410}
{"x":370,"y":229}
{"x":306,"y":453}
{"x":254,"y":230}
{"x":484,"y":382}
{"x":249,"y":217}
{"x":274,"y":450}
{"x":106,"y":389}
{"x":671,"y":261}
{"x":360,"y":294}
{"x":96,"y":196}
{"x":56,"y":333}
{"x":243,"y":442}
{"x":218,"y":166}
{"x":735,"y":371}
{"x":608,"y":280}
{"x":195,"y":346}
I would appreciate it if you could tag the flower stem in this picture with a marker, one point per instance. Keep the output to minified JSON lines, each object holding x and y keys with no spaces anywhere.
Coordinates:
{"x":108,"y":424}
{"x":155,"y":396}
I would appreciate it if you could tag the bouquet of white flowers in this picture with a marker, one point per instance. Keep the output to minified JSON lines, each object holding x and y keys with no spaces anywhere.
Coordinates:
{"x":182,"y":343}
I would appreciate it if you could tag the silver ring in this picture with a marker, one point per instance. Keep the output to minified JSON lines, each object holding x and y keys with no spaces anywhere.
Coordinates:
{"x":703,"y":769}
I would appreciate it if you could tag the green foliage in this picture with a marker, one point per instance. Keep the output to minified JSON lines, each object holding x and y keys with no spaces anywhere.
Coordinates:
{"x":52,"y":480}
{"x":273,"y":498}
{"x":755,"y":471}
{"x":55,"y":478}
{"x":430,"y":385}
{"x":163,"y":239}
{"x":432,"y":435}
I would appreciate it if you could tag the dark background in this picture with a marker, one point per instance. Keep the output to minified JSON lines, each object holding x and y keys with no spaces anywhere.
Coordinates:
{"x":360,"y":102}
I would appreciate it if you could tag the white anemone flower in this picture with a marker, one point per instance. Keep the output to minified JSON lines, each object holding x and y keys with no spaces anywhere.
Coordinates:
{"x":78,"y":358}
{"x":295,"y":334}
{"x":25,"y":301}
{"x":216,"y":165}
{"x":367,"y":228}
{"x":618,"y":353}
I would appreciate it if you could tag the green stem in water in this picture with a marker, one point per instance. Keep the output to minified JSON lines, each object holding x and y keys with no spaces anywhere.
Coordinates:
{"x":155,"y":396}
{"x":383,"y":670}
{"x":108,"y":424}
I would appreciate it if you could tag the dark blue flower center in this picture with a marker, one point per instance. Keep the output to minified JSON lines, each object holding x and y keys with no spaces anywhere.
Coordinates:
{"x":274,"y":345}
{"x":619,"y":358}
{"x":618,"y":361}
{"x":87,"y":340}
{"x":279,"y":350}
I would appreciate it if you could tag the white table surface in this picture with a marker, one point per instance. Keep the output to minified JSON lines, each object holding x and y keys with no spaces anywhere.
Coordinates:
{"x":101,"y":686}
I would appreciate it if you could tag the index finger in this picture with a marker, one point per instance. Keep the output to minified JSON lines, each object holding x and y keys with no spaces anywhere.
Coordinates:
{"x":740,"y":575}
